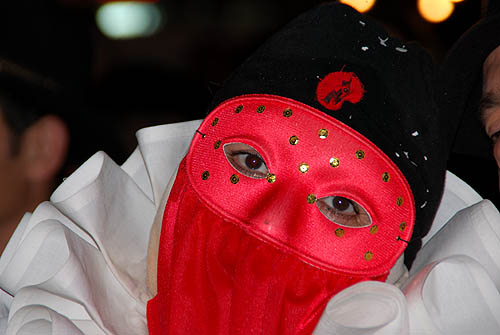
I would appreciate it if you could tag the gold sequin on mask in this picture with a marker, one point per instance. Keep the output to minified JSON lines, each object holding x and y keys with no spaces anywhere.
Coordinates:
{"x":385,"y":177}
{"x":217,"y":144}
{"x":261,"y":109}
{"x":323,"y":133}
{"x":311,"y":198}
{"x":234,"y":179}
{"x":287,"y":112}
{"x":334,"y":162}
{"x":215,"y":121}
{"x":339,"y":232}
{"x":399,"y":201}
{"x":293,"y":140}
{"x":303,"y":167}
{"x":368,"y":255}
{"x":360,"y":154}
{"x":205,"y":175}
{"x":271,"y":178}
{"x":238,"y":109}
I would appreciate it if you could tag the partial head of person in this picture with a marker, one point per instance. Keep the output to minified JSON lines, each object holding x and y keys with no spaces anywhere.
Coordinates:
{"x":33,"y":142}
{"x":318,"y":166}
{"x":470,"y":91}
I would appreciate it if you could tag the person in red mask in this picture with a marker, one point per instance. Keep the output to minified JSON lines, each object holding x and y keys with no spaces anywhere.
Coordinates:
{"x":319,"y":160}
{"x":318,"y":166}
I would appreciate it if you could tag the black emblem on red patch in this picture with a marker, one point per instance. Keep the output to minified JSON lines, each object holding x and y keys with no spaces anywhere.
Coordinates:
{"x":338,"y":87}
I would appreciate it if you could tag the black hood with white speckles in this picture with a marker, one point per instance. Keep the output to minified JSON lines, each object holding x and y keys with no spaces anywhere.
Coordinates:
{"x":397,"y":111}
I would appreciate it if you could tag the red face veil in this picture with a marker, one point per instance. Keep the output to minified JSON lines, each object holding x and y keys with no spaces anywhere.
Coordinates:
{"x":276,"y":208}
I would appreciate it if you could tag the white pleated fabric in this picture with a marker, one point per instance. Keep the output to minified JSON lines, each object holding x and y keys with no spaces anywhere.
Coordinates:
{"x":453,"y":287}
{"x":76,"y":265}
{"x":367,"y":308}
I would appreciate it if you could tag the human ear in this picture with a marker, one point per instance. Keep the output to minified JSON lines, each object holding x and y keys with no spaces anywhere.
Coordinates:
{"x":44,"y":146}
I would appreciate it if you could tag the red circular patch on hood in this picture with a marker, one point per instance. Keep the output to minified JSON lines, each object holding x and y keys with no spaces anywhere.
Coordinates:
{"x":338,"y":87}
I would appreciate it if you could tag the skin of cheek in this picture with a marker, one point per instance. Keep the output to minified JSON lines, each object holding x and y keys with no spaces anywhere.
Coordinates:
{"x":491,"y":85}
{"x":154,"y":241}
{"x":496,"y":154}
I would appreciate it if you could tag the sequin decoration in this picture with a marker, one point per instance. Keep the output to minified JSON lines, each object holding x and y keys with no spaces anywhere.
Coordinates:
{"x":373,"y":229}
{"x":287,"y":112}
{"x":339,"y":232}
{"x":385,"y":177}
{"x":402,"y":226}
{"x":217,"y":144}
{"x":360,"y":154}
{"x":323,"y":133}
{"x":271,"y":178}
{"x":238,"y":109}
{"x":235,"y":179}
{"x":293,"y":140}
{"x":311,"y":198}
{"x":261,"y":109}
{"x":368,"y":255}
{"x":215,"y":121}
{"x":334,"y":162}
{"x":303,"y":167}
{"x":399,"y":201}
{"x":205,"y":175}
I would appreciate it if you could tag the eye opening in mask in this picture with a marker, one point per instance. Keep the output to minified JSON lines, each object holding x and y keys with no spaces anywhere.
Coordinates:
{"x":344,"y":211}
{"x":246,"y":160}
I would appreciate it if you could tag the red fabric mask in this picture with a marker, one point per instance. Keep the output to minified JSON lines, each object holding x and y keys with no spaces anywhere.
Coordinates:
{"x":246,"y":251}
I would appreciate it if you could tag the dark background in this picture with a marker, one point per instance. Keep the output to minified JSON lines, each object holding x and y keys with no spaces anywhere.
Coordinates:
{"x":120,"y":86}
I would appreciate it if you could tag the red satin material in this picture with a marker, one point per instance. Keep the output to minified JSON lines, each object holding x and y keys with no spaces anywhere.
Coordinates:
{"x":217,"y":279}
{"x":279,"y":212}
{"x":256,"y":257}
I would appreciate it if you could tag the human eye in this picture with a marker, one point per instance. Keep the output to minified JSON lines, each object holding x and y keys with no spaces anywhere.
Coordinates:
{"x":246,"y":160}
{"x":494,"y":137}
{"x":344,"y":211}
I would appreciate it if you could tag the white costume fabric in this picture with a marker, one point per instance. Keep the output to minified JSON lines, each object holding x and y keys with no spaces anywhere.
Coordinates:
{"x":76,"y":265}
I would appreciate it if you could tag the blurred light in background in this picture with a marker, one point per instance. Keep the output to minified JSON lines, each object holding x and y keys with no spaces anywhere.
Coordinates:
{"x":359,"y":5}
{"x":436,"y":11}
{"x":129,"y":19}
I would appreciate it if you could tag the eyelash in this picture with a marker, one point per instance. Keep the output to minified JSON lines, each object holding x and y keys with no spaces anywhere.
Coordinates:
{"x":359,"y":218}
{"x":240,"y":163}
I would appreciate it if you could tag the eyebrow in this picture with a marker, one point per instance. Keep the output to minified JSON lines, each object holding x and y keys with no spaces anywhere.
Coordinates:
{"x":486,"y":103}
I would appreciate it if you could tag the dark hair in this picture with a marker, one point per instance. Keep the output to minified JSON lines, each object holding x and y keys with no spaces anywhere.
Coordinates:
{"x":25,"y":96}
